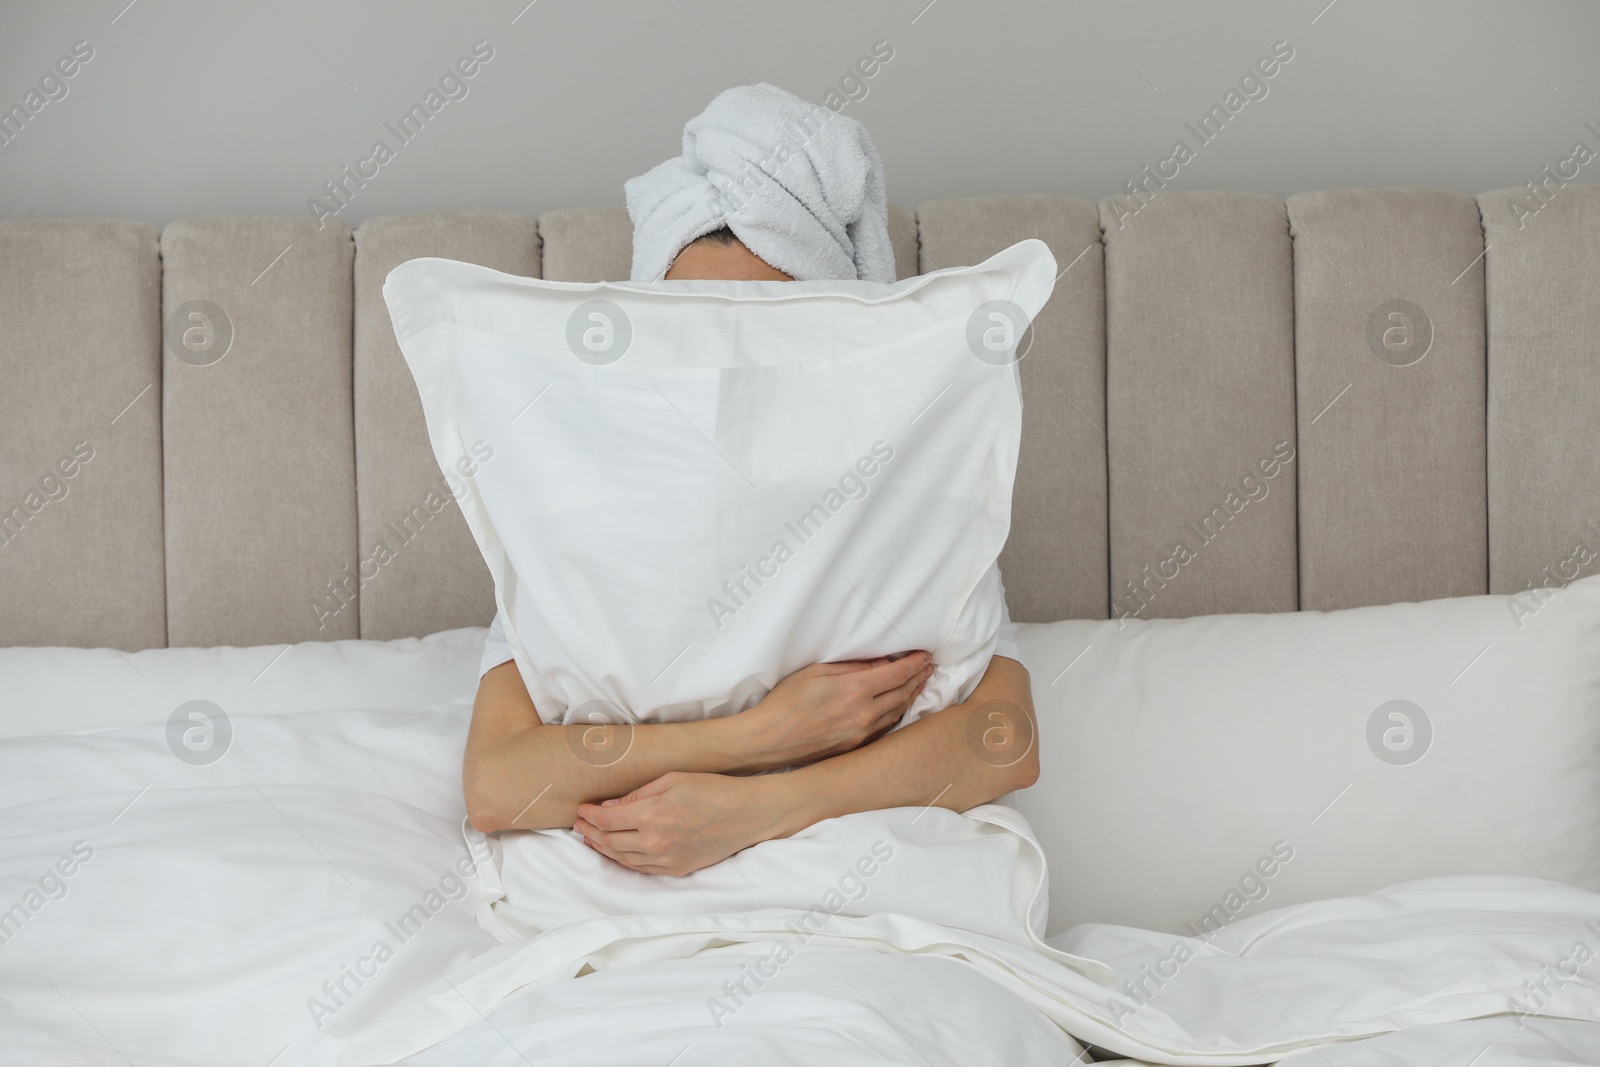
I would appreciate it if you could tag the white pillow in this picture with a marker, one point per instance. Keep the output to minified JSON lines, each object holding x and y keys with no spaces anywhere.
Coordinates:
{"x":1194,"y":770}
{"x":50,"y":689}
{"x":687,"y":490}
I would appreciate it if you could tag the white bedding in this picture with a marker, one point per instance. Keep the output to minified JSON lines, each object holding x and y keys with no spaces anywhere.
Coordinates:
{"x":50,"y":689}
{"x":216,"y":901}
{"x":1360,"y":747}
{"x":842,"y":1009}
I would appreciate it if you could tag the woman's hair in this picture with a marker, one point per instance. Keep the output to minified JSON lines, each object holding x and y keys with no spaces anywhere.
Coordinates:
{"x":722,"y":236}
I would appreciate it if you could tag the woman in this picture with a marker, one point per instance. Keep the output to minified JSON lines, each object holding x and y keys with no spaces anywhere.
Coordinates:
{"x":806,"y":188}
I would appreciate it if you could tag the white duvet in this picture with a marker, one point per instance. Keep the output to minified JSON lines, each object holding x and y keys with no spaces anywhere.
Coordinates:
{"x":301,"y":900}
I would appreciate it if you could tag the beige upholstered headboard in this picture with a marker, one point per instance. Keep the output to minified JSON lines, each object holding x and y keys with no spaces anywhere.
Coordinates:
{"x":1419,"y":371}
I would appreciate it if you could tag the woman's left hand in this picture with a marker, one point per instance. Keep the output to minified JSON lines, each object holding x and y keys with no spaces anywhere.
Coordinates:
{"x":682,"y":821}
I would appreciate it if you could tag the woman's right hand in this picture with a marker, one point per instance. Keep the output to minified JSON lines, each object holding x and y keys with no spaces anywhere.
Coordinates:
{"x":830,"y":708}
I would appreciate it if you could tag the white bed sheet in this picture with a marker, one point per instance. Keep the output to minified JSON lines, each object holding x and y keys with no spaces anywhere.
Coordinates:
{"x":212,"y":913}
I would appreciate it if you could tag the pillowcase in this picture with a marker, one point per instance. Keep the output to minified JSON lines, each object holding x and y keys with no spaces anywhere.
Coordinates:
{"x":1194,"y":770}
{"x":52,"y":689}
{"x":686,"y":491}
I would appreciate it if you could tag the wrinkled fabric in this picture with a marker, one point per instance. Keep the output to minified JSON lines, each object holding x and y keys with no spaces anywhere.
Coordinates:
{"x":223,"y":914}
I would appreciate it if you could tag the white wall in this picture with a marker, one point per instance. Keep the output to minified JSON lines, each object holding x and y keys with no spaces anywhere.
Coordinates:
{"x":189,"y":108}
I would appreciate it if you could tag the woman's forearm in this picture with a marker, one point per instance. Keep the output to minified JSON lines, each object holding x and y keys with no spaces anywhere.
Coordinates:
{"x":957,"y":758}
{"x":538,"y":776}
{"x":520,"y":774}
{"x":968,"y":754}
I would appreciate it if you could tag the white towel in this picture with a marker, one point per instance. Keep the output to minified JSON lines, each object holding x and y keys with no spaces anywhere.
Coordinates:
{"x":800,"y":185}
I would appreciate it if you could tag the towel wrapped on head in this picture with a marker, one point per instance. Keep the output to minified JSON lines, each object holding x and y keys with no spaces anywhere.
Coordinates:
{"x":800,"y":185}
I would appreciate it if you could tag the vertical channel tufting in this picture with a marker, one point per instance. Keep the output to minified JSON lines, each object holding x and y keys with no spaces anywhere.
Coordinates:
{"x":903,"y":237}
{"x":587,"y":244}
{"x":1200,"y":405}
{"x":1389,"y":340}
{"x":1443,"y":397}
{"x":257,"y":434}
{"x":81,"y":561}
{"x":1054,"y":563}
{"x":1544,"y":387}
{"x":419,"y":569}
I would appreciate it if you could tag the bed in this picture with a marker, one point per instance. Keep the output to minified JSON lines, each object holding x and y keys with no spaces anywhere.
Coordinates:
{"x":243,"y":621}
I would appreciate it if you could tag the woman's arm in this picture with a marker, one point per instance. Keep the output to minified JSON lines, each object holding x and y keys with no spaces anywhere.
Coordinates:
{"x":522,"y":774}
{"x":968,"y":754}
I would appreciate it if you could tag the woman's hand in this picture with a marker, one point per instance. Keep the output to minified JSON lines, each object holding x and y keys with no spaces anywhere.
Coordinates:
{"x":829,"y":708}
{"x":681,"y":822}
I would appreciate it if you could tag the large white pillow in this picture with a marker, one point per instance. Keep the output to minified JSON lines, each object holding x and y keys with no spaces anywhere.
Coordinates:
{"x":687,"y":490}
{"x":1194,"y":770}
{"x":53,"y":689}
